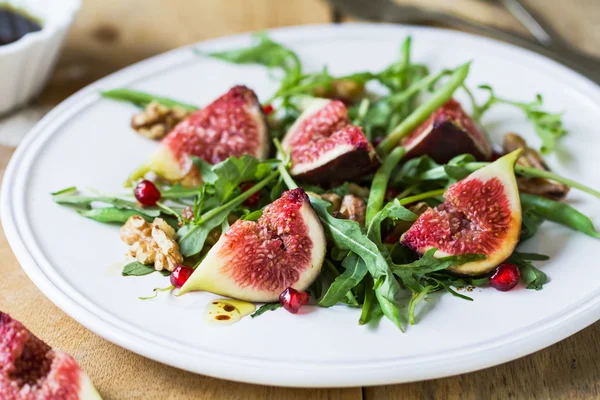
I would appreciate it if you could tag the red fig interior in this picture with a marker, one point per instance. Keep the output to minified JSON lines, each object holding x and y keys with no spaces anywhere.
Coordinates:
{"x":257,"y":260}
{"x":30,"y":369}
{"x":232,"y":125}
{"x":326,"y":147}
{"x":480,"y":215}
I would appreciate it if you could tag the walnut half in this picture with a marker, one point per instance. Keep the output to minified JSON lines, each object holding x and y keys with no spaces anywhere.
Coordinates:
{"x":151,"y":243}
{"x":156,"y":120}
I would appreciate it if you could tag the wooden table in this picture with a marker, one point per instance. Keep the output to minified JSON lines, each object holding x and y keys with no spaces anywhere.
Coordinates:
{"x":113,"y":33}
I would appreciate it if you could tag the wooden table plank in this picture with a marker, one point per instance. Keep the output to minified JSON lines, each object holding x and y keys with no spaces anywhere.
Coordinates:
{"x":568,"y":369}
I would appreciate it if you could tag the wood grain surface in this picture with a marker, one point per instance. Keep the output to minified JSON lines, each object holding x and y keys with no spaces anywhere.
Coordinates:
{"x":110,"y":34}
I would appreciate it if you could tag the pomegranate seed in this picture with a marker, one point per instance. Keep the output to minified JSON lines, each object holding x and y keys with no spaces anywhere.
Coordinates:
{"x":180,"y":275}
{"x":254,"y":200}
{"x":292,"y":300}
{"x":268,"y":109}
{"x":378,"y":140}
{"x":147,"y":193}
{"x":506,"y":277}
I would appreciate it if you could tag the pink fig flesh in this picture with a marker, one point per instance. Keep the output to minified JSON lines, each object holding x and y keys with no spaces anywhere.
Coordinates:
{"x":232,"y":125}
{"x":257,"y":260}
{"x":480,"y":215}
{"x":325,"y":147}
{"x":31,"y":370}
{"x":447,"y":133}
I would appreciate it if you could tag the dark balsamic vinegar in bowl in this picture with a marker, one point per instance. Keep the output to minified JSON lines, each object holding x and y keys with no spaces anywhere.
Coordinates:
{"x":15,"y":23}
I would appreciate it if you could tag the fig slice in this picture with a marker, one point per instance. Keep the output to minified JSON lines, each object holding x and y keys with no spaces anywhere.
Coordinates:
{"x":31,"y":370}
{"x":325,"y":147}
{"x":257,"y":260}
{"x":447,"y":133}
{"x":481,"y":214}
{"x":232,"y":125}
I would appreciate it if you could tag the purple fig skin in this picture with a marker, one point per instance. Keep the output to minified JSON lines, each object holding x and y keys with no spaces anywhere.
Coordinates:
{"x":343,"y":168}
{"x":447,"y":133}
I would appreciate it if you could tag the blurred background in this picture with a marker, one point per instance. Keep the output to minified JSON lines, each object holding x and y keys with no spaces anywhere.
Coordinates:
{"x":110,"y":34}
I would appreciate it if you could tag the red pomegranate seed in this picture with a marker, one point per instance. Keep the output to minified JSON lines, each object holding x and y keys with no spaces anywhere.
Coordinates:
{"x":180,"y":275}
{"x":268,"y":109}
{"x":254,"y":200}
{"x":147,"y":193}
{"x":506,"y":277}
{"x":292,"y":300}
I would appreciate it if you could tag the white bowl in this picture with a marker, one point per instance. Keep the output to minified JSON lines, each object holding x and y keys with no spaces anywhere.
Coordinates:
{"x":25,"y":65}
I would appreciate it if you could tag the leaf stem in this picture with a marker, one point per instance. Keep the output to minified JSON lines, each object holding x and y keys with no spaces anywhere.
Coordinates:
{"x":380,"y":182}
{"x":422,"y":196}
{"x":424,"y":110}
{"x":143,"y":99}
{"x":538,"y":173}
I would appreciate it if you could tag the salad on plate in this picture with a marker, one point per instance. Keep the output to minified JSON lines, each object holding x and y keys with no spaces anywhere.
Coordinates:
{"x":371,"y":190}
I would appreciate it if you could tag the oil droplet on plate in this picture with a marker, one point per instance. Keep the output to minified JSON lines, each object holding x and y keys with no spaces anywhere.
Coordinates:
{"x":227,"y":311}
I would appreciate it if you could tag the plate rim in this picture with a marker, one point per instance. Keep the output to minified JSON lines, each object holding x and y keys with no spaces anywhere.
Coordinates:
{"x":581,"y":314}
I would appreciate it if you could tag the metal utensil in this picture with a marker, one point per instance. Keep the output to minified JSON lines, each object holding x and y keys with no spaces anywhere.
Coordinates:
{"x":388,"y":11}
{"x":542,"y":31}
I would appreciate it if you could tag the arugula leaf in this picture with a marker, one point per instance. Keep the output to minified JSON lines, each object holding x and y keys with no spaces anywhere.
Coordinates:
{"x":227,"y":175}
{"x":111,"y":214}
{"x":177,"y":191}
{"x":136,"y":268}
{"x":142,"y":99}
{"x":347,"y":235}
{"x":548,"y":126}
{"x":85,"y":202}
{"x":393,"y":210}
{"x":415,"y":299}
{"x":265,"y":52}
{"x":411,"y":273}
{"x":371,"y":310}
{"x":266,"y":307}
{"x":253,"y":216}
{"x":533,"y":277}
{"x":355,"y":271}
{"x":193,"y":235}
{"x":64,"y":191}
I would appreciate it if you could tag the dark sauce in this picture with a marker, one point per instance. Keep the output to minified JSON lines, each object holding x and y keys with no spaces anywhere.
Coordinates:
{"x":14,"y":24}
{"x":228,"y":308}
{"x":222,"y":317}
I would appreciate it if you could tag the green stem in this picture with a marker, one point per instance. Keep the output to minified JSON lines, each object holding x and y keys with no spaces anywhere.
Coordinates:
{"x":424,"y":110}
{"x":369,"y":298}
{"x":422,"y":196}
{"x":241,"y":198}
{"x":289,"y":181}
{"x":538,"y":173}
{"x":143,"y":99}
{"x":380,"y":182}
{"x":415,"y":88}
{"x":168,"y":210}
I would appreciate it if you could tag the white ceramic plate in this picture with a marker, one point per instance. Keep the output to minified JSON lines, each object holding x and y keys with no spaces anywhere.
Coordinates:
{"x":86,"y":142}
